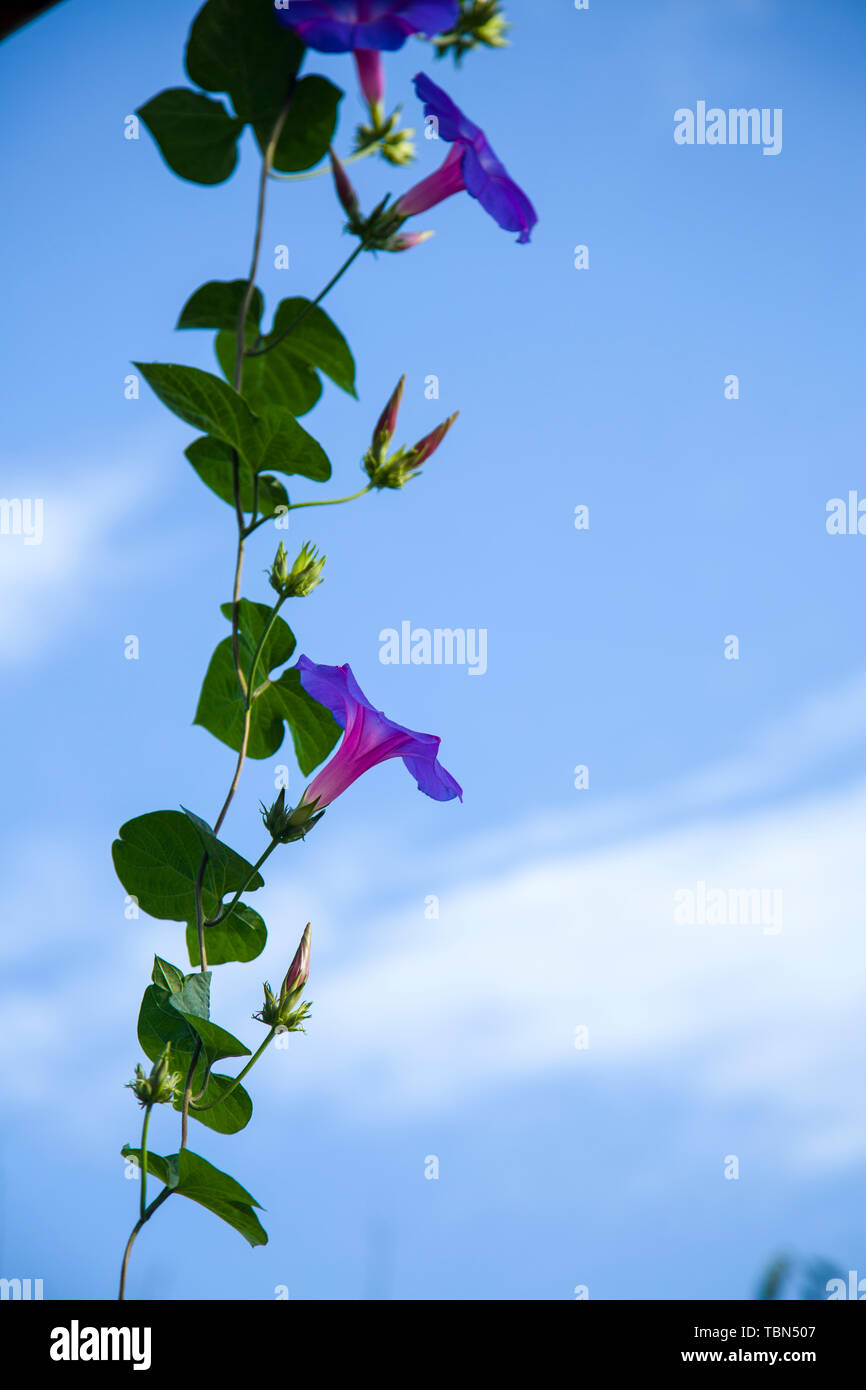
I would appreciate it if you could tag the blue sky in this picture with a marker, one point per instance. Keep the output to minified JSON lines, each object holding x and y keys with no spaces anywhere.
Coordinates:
{"x":454,"y":1037}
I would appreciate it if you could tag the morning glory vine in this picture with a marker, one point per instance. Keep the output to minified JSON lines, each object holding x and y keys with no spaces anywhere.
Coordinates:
{"x":245,"y":58}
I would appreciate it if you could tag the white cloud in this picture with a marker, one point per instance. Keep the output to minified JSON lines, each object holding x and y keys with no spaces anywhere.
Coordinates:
{"x":86,"y":534}
{"x":412,"y":1014}
{"x":493,"y":991}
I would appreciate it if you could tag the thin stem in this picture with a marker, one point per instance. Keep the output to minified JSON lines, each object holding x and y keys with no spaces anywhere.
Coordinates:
{"x":308,"y":308}
{"x":157,"y":1202}
{"x":199,"y":914}
{"x":326,"y":168}
{"x":257,"y":654}
{"x":187,"y":1093}
{"x":332,"y":501}
{"x":147,"y":1212}
{"x":240,"y":1076}
{"x":143,"y":1203}
{"x":243,"y":311}
{"x":225,"y":911}
{"x":322,"y":502}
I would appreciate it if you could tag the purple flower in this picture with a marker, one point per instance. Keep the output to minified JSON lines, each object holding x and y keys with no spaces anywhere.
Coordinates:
{"x":470,"y":165}
{"x":369,"y":738}
{"x":344,"y":26}
{"x":365,"y":28}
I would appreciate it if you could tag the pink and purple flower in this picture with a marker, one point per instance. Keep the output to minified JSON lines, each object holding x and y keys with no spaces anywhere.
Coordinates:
{"x":367,"y":28}
{"x":471,"y":165}
{"x":369,"y":738}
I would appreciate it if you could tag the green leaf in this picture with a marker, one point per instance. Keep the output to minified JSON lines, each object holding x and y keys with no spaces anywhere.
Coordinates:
{"x":193,"y":998}
{"x":276,"y":378}
{"x":165,"y":975}
{"x":181,"y":1015}
{"x":309,"y":127}
{"x":202,"y":1183}
{"x":229,"y":1115}
{"x":221,"y":705}
{"x":242,"y":49}
{"x":241,"y":937}
{"x":316,"y":339}
{"x":159,"y":1023}
{"x":196,"y":136}
{"x":157,"y":859}
{"x":217,"y":305}
{"x":276,"y":441}
{"x":283,"y":446}
{"x":164,"y":1169}
{"x":218,"y":1043}
{"x":213,"y":461}
{"x":202,"y":400}
{"x":191,"y":1176}
{"x":221,"y":709}
{"x":254,"y":620}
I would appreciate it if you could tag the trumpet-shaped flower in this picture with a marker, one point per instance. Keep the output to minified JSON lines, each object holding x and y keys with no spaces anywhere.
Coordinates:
{"x":471,"y":165}
{"x":369,"y":738}
{"x":345,"y":26}
{"x":366,"y":28}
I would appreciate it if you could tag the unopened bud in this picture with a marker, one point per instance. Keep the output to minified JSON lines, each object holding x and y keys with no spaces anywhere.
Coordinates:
{"x":304,"y":575}
{"x":285,"y":824}
{"x":345,"y":192}
{"x":284,"y":1011}
{"x":384,"y":431}
{"x":404,"y":241}
{"x":430,"y":443}
{"x":161,"y":1085}
{"x":398,"y":147}
{"x":396,"y":471}
{"x":299,"y":970}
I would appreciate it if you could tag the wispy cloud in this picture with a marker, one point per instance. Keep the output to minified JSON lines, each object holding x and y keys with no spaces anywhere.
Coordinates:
{"x":418,"y":1013}
{"x":87,"y":532}
{"x":493,"y":991}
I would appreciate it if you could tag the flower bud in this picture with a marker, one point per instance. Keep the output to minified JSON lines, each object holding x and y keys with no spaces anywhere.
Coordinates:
{"x":430,"y":443}
{"x":345,"y":192}
{"x":284,"y":1011}
{"x":161,"y":1085}
{"x":287,"y":825}
{"x":479,"y":22}
{"x":398,"y":147}
{"x":384,"y":431}
{"x":299,"y":969}
{"x":404,"y":241}
{"x":396,"y":471}
{"x":302,"y":578}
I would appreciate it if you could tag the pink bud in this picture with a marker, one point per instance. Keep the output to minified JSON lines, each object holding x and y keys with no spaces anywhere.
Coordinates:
{"x":404,"y":241}
{"x":345,"y":192}
{"x":300,"y":966}
{"x":430,"y":443}
{"x":384,"y":431}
